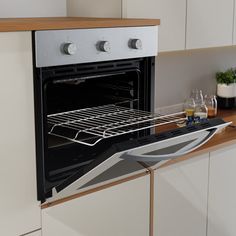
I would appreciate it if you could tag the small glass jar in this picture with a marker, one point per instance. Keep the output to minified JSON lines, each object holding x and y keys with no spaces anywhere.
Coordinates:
{"x":189,"y":107}
{"x":200,"y":112}
{"x":211,"y":103}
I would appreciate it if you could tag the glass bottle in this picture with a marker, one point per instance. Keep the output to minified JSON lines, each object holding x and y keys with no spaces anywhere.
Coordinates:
{"x":189,"y":107}
{"x":196,"y":94}
{"x":211,"y":103}
{"x":200,"y":112}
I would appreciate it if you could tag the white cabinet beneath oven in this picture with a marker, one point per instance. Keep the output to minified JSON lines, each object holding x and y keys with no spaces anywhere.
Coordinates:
{"x":222,"y":192}
{"x":121,"y":210}
{"x":19,"y":208}
{"x":180,"y":198}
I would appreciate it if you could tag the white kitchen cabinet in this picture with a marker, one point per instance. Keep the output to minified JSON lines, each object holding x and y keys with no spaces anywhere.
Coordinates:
{"x":222,"y":192}
{"x":121,"y":210}
{"x":209,"y":23}
{"x":172,"y":14}
{"x":91,"y":8}
{"x":180,"y":202}
{"x":19,"y":208}
{"x":234,"y":30}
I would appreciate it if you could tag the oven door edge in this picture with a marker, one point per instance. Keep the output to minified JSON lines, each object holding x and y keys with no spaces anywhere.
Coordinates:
{"x":153,"y":153}
{"x":174,"y":147}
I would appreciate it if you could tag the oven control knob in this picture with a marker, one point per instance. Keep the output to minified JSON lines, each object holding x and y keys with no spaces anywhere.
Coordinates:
{"x":135,"y":44}
{"x":69,"y":48}
{"x":104,"y":46}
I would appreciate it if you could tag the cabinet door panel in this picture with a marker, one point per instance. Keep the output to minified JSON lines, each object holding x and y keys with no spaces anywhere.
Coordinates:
{"x":121,"y":210}
{"x":222,"y":192}
{"x":172,"y":14}
{"x":103,"y":8}
{"x":20,"y":211}
{"x":209,"y":23}
{"x":181,"y":198}
{"x":234,"y":29}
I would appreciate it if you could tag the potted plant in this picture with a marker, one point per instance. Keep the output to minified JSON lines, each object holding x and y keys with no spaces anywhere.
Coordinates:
{"x":226,"y":88}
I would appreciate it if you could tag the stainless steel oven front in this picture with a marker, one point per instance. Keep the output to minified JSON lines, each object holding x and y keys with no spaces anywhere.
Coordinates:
{"x":94,"y":109}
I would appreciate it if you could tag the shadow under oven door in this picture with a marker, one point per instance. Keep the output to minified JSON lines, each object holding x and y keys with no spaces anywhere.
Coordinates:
{"x":135,"y":155}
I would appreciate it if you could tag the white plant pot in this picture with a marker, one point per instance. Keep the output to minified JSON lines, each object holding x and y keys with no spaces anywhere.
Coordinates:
{"x":226,"y":91}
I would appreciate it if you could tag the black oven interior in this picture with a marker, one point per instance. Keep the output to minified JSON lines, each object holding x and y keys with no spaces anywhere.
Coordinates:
{"x":126,"y":83}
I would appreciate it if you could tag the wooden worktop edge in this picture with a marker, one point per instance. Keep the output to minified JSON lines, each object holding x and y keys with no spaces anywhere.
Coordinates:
{"x":53,"y":23}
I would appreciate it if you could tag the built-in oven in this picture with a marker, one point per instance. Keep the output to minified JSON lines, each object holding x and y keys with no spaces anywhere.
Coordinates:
{"x":94,"y":109}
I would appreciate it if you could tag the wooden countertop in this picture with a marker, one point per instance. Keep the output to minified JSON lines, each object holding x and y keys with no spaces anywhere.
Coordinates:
{"x":223,"y":139}
{"x":49,"y":23}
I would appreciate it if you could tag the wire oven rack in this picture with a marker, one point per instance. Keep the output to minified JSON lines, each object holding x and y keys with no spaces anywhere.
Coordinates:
{"x":90,"y":125}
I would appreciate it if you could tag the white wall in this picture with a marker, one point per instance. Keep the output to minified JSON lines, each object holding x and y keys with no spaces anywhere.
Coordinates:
{"x":32,"y":8}
{"x":179,"y":72}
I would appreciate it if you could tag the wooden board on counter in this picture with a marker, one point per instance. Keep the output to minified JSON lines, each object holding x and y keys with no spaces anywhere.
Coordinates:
{"x":50,"y":23}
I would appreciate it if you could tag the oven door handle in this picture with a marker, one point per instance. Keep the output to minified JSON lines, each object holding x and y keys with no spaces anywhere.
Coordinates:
{"x":130,"y":155}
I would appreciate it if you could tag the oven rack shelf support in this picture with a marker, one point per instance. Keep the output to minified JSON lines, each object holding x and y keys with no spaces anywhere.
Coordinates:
{"x":91,"y":125}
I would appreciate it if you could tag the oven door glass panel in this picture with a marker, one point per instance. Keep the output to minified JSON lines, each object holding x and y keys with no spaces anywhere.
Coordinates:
{"x":108,"y":171}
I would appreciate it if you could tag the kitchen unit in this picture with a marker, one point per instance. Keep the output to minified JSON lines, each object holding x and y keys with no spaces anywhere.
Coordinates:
{"x":92,"y":105}
{"x":191,"y":194}
{"x":185,"y":24}
{"x":209,"y":23}
{"x":53,"y":213}
{"x":234,"y":29}
{"x":20,"y":210}
{"x":222,"y":193}
{"x":119,"y":210}
{"x":173,"y":17}
{"x":181,"y":196}
{"x":23,"y":215}
{"x":172,"y":14}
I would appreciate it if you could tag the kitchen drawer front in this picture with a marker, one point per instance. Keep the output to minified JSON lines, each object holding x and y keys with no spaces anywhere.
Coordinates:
{"x":180,"y":195}
{"x":119,"y":210}
{"x":222,"y":192}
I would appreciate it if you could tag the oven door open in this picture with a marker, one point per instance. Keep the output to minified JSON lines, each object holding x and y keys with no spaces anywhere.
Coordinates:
{"x":130,"y":155}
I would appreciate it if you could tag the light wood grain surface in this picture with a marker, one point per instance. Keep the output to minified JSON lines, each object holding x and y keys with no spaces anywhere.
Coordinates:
{"x":50,"y":23}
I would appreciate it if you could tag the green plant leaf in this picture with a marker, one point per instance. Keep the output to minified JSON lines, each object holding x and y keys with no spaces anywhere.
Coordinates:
{"x":227,"y":77}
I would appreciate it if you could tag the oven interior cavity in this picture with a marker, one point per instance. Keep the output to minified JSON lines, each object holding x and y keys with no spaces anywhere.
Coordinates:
{"x":85,"y":109}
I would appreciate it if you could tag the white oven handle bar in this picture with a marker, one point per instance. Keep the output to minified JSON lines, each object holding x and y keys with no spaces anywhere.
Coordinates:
{"x":204,"y":136}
